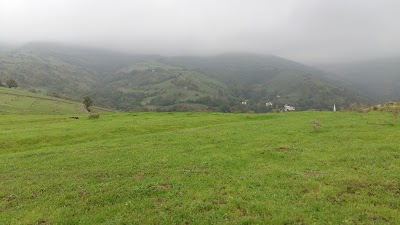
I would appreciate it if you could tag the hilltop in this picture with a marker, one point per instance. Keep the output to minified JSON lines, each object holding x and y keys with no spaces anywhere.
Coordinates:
{"x":150,"y":82}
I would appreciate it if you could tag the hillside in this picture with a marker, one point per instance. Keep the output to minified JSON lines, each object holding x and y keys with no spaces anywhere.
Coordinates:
{"x":158,"y":86}
{"x":23,"y":102}
{"x":379,"y":79}
{"x":92,"y":60}
{"x":46,"y":74}
{"x":200,"y":168}
{"x":261,"y":78}
{"x":137,"y":82}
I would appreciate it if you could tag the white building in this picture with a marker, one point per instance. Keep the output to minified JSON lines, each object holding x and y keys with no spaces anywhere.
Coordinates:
{"x":287,"y":108}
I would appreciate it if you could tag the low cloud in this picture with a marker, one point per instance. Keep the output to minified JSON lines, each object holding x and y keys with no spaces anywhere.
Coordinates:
{"x":304,"y":30}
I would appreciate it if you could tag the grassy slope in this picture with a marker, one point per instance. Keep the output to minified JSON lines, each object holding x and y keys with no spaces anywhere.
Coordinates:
{"x":17,"y":101}
{"x":175,"y":168}
{"x":139,"y":78}
{"x":32,"y":70}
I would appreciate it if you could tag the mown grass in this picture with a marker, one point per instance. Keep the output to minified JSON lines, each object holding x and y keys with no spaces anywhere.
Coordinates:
{"x":199,"y":168}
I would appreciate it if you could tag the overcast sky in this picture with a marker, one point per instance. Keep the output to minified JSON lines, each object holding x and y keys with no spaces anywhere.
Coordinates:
{"x":305,"y":30}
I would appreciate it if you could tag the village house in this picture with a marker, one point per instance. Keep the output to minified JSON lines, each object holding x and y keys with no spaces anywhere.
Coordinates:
{"x":287,"y":108}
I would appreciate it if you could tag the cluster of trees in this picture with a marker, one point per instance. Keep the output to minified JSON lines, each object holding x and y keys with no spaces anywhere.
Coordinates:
{"x":113,"y":98}
{"x":10,"y":83}
{"x":87,"y":101}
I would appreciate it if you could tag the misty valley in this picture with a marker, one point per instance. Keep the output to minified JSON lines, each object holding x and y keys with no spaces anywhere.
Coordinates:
{"x":199,"y":112}
{"x":203,"y":139}
{"x":220,"y":83}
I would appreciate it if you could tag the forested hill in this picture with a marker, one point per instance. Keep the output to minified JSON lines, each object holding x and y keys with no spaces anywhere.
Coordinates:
{"x":378,"y":79}
{"x":151,"y":82}
{"x":251,"y":68}
{"x":265,"y":77}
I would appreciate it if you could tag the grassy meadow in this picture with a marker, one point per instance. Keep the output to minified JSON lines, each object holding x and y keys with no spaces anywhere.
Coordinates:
{"x":24,"y":102}
{"x":200,"y":168}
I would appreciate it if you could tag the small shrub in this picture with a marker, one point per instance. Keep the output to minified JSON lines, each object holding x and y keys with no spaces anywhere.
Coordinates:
{"x":11,"y":83}
{"x":94,"y":115}
{"x":316,"y":124}
{"x":395,"y":112}
{"x":361,"y":108}
{"x":393,"y":108}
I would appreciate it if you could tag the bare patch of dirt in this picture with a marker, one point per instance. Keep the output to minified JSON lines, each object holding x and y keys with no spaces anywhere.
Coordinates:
{"x":282,"y":149}
{"x":164,"y":186}
{"x":82,"y":194}
{"x":138,"y":176}
{"x":393,"y":187}
{"x":41,"y":221}
{"x":311,"y":173}
{"x":221,"y":202}
{"x":355,"y":186}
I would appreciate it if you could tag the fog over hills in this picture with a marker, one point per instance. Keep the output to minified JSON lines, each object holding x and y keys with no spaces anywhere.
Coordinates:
{"x":307,"y":31}
{"x":185,"y":83}
{"x":204,"y":55}
{"x":378,"y":79}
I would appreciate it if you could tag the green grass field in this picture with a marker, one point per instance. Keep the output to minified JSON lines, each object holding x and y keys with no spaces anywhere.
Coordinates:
{"x":24,"y":102}
{"x":200,"y":168}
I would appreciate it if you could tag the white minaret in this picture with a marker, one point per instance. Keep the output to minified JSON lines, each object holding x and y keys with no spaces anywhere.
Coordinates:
{"x":334,"y":107}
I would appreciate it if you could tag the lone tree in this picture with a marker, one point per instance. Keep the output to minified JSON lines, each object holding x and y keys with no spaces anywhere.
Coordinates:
{"x":87,"y":101}
{"x":11,"y":83}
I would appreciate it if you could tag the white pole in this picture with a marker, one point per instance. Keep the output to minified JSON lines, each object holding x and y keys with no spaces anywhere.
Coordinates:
{"x":334,"y":108}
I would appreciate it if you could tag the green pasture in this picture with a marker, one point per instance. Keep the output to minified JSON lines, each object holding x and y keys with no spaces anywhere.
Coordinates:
{"x":24,"y":102}
{"x":200,"y":168}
